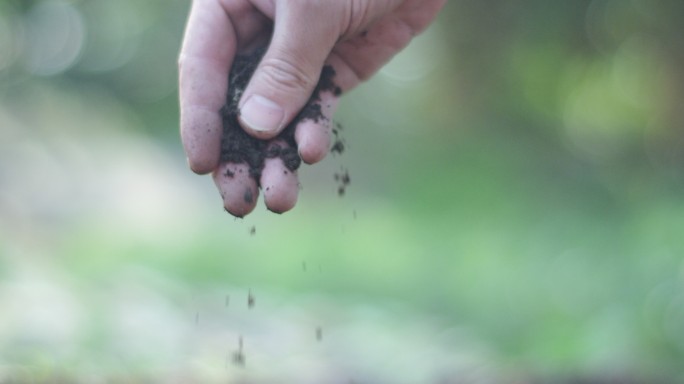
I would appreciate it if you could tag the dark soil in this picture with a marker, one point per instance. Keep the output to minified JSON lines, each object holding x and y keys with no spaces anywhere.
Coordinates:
{"x":343,"y":180}
{"x":339,"y":144}
{"x":239,"y":147}
{"x":238,"y":356}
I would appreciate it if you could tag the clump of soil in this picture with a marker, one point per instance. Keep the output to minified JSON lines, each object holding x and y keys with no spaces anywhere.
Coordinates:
{"x":239,"y":147}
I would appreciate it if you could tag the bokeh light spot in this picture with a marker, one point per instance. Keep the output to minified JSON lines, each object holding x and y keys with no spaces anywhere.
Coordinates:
{"x":55,"y":34}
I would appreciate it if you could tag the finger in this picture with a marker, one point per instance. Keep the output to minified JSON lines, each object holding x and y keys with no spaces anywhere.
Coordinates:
{"x":289,"y":71}
{"x":313,"y":136}
{"x":238,"y":189}
{"x":206,"y":55}
{"x":358,"y":58}
{"x":279,"y":185}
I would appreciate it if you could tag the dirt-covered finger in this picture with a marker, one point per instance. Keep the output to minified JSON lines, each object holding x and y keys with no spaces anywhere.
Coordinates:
{"x":238,"y":188}
{"x":279,"y":184}
{"x":208,"y":48}
{"x":313,"y":134}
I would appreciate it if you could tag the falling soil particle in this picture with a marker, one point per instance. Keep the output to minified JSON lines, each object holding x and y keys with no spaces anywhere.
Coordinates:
{"x":238,"y":356}
{"x":227,"y":300}
{"x":239,"y":147}
{"x":343,"y":180}
{"x":252,"y":231}
{"x":250,"y":300}
{"x":339,"y":145}
{"x":319,"y":333}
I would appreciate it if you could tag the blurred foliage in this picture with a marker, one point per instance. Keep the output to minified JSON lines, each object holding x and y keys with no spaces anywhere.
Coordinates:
{"x":517,"y":174}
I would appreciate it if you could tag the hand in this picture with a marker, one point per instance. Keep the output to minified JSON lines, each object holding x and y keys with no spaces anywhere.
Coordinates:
{"x":355,"y":37}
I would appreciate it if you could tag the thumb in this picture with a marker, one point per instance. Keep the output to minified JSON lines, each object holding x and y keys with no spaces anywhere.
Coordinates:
{"x":303,"y":37}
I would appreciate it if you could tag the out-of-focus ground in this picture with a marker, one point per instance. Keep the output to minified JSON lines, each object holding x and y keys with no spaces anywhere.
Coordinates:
{"x":516,"y":212}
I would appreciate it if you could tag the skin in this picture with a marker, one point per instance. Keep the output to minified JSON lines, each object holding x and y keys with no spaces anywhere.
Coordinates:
{"x":356,"y":37}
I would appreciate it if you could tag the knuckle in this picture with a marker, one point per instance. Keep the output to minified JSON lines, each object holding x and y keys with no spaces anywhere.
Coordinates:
{"x":286,"y":75}
{"x":358,"y":15}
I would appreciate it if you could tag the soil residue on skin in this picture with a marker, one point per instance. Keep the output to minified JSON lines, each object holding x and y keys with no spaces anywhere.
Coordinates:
{"x":239,"y":147}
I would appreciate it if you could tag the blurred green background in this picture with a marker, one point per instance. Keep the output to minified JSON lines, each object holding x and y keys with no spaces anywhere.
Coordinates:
{"x":516,"y":212}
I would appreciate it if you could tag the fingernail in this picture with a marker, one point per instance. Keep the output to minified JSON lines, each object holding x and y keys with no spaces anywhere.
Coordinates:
{"x":261,"y":114}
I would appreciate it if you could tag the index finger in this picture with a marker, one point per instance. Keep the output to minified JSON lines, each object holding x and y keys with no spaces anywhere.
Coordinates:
{"x":206,"y":55}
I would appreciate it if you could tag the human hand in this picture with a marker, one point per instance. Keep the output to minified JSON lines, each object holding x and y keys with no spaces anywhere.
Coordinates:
{"x":355,"y":37}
